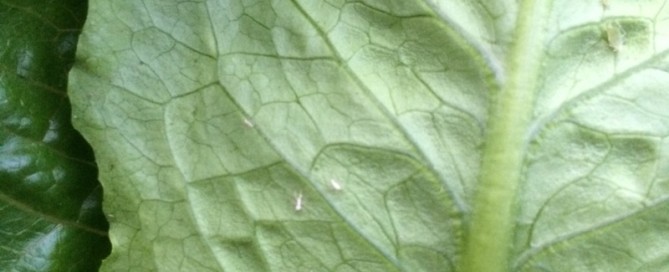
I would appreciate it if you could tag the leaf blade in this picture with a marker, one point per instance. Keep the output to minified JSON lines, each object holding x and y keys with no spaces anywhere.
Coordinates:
{"x":399,"y":102}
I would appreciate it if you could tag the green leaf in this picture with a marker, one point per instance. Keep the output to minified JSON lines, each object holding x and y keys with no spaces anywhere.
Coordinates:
{"x":49,"y":194}
{"x":393,"y":135}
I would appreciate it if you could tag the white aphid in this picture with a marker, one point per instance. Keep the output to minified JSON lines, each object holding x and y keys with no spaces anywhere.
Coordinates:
{"x":248,"y":122}
{"x":335,"y":185}
{"x":299,"y":201}
{"x":605,"y":4}
{"x":615,"y":36}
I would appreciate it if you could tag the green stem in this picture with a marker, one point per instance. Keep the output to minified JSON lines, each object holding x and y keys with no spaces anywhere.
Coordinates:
{"x":490,"y":236}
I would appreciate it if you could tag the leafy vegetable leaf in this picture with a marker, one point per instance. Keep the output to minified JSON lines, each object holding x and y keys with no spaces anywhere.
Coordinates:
{"x":49,"y":194}
{"x":379,"y":135}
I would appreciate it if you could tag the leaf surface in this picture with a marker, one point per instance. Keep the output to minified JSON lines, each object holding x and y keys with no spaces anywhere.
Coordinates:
{"x":379,"y":135}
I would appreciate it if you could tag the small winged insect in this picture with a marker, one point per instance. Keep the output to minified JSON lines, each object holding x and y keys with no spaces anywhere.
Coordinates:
{"x":299,"y":202}
{"x":615,"y":36}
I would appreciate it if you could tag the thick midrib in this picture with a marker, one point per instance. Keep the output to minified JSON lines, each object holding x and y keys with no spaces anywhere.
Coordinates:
{"x":489,"y":236}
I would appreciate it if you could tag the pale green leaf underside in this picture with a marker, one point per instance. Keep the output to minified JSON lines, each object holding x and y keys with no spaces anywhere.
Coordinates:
{"x":211,"y":120}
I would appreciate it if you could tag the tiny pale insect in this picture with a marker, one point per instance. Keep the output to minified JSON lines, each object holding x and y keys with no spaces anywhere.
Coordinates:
{"x":299,"y":202}
{"x":248,"y":122}
{"x":615,"y":36}
{"x":605,"y":4}
{"x":335,"y":185}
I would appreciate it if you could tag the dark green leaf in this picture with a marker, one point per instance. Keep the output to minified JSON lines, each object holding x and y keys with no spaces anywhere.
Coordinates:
{"x":50,"y":212}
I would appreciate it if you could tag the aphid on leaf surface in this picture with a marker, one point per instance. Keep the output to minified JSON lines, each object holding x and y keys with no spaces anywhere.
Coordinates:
{"x":248,"y":122}
{"x":335,"y":185}
{"x":299,"y":201}
{"x":615,"y":36}
{"x":605,"y":4}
